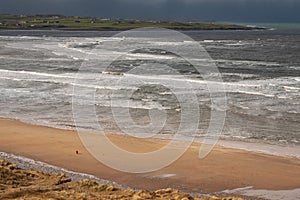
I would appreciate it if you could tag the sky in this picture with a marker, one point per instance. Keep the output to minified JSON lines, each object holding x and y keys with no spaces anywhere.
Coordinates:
{"x":177,"y":10}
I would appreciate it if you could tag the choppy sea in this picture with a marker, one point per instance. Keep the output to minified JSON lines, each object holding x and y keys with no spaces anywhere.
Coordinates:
{"x":260,"y":72}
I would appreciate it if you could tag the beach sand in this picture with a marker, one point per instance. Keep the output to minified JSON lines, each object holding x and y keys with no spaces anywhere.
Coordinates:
{"x":222,"y":169}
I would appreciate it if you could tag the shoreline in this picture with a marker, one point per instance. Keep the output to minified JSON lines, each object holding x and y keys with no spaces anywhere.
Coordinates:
{"x":223,"y":169}
{"x":273,"y":149}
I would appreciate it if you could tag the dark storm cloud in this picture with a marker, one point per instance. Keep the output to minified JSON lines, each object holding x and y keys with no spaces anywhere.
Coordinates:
{"x":219,"y":10}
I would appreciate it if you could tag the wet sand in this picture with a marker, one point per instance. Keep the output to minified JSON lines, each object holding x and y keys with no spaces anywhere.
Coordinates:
{"x":223,"y":168}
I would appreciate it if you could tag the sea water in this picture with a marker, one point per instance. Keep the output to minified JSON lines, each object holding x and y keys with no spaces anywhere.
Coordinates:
{"x":260,"y":72}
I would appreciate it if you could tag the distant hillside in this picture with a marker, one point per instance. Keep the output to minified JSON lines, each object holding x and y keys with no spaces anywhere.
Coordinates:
{"x":87,"y":23}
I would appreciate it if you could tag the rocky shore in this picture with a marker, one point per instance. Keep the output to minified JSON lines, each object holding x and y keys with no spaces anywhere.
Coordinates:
{"x":17,"y":183}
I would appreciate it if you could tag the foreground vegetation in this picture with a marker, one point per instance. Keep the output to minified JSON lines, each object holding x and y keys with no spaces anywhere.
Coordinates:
{"x":87,"y":23}
{"x":28,"y":184}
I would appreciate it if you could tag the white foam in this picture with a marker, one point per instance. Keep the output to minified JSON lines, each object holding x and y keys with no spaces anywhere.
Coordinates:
{"x":236,"y":44}
{"x":289,"y":88}
{"x":162,"y":176}
{"x":208,"y":41}
{"x":241,"y":75}
{"x":248,"y":62}
{"x":255,"y":93}
{"x":13,"y":73}
{"x":149,"y":56}
{"x":297,"y":79}
{"x":266,"y":194}
{"x":277,"y":150}
{"x":243,"y":107}
{"x":166,"y":43}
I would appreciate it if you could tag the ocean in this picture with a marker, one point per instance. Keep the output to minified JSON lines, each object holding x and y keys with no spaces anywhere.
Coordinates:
{"x":260,"y":70}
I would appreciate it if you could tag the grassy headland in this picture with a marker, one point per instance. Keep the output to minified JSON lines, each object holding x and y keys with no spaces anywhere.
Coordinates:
{"x":88,"y":23}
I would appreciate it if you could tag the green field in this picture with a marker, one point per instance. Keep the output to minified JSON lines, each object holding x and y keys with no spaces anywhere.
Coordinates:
{"x":87,"y":23}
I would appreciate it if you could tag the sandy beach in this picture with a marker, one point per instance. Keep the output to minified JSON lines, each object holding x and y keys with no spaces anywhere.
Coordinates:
{"x":223,"y":169}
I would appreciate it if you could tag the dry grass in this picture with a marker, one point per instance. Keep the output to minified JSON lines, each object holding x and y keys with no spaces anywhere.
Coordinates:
{"x":28,"y":184}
